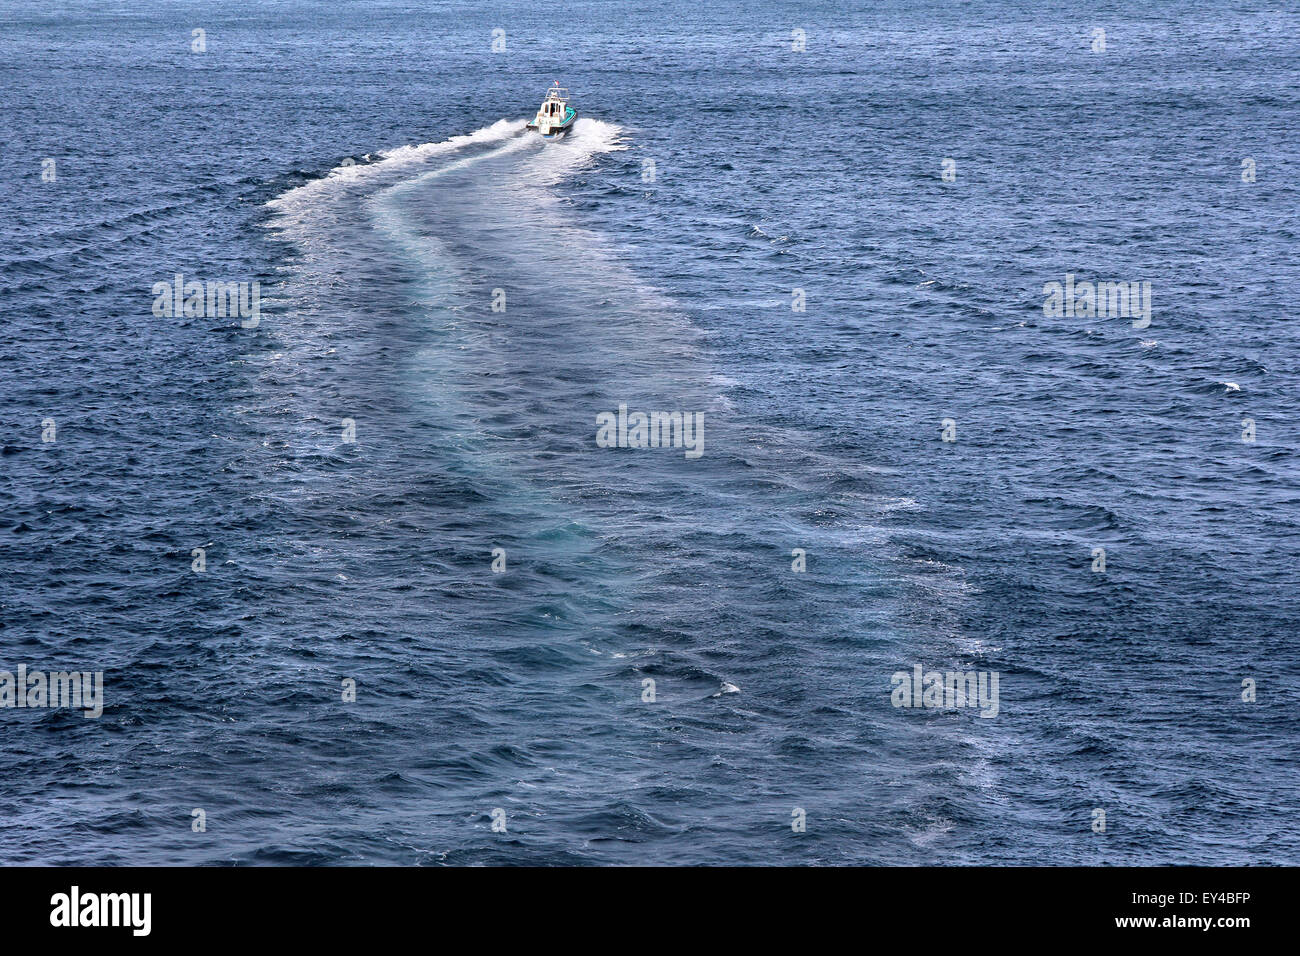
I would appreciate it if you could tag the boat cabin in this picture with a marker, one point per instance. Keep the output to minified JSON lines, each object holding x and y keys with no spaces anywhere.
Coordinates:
{"x":556,"y":100}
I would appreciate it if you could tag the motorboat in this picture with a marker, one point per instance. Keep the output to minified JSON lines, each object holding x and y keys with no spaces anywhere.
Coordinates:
{"x":556,"y":117}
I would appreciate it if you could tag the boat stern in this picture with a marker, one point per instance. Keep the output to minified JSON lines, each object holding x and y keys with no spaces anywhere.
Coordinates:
{"x":556,"y":117}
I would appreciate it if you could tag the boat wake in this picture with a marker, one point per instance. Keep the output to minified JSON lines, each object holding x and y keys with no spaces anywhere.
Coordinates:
{"x":302,"y":206}
{"x":298,"y":204}
{"x":461,"y":302}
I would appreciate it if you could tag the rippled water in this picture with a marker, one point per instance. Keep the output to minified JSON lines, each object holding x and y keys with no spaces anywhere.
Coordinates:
{"x":367,"y":166}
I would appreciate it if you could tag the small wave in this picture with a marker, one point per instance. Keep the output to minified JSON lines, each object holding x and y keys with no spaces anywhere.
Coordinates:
{"x":757,"y":232}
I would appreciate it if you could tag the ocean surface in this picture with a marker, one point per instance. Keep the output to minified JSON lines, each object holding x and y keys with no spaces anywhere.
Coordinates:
{"x":233,"y":520}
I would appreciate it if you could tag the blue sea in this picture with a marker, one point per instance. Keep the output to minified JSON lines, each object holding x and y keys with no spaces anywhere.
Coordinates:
{"x":365,"y":588}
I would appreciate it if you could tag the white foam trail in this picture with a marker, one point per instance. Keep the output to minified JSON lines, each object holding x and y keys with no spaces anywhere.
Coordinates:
{"x":548,"y":163}
{"x":388,"y":193}
{"x":561,"y":157}
{"x":391,"y":162}
{"x":313,"y":203}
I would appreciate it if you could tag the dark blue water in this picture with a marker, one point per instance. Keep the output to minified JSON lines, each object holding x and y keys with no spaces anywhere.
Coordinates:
{"x":366,"y":164}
